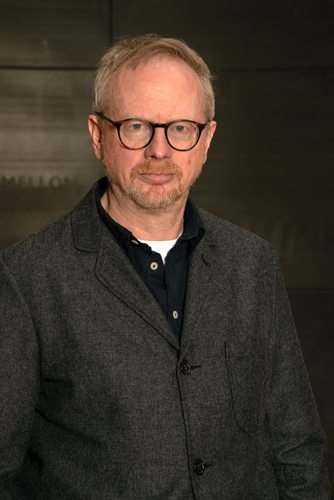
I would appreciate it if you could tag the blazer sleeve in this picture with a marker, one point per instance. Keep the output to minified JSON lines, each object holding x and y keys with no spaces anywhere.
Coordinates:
{"x":296,"y":441}
{"x":19,"y":377}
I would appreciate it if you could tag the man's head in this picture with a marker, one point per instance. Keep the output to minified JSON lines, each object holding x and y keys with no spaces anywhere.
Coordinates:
{"x":131,"y":52}
{"x":151,"y":161}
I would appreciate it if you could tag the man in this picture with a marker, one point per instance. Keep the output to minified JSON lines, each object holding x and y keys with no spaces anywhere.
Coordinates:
{"x":147,"y":347}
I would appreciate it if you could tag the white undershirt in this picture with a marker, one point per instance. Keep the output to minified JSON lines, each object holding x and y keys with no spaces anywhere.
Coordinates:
{"x":161,"y":247}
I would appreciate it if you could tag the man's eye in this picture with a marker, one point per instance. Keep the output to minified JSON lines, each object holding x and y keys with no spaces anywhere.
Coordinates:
{"x":180,"y":128}
{"x":137,"y":126}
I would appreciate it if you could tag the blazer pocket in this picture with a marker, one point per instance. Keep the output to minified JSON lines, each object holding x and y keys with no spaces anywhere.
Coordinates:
{"x":247,"y":372}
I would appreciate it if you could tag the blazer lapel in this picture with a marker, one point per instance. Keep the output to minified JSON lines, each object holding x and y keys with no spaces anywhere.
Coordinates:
{"x":113,"y":267}
{"x":200,"y":273}
{"x":116,"y":272}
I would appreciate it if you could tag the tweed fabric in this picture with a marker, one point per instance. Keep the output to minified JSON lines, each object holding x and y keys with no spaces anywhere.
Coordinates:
{"x":94,"y":405}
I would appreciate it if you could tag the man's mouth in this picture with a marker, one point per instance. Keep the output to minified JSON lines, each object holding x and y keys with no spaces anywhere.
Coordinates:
{"x":156,"y":177}
{"x":156,"y":173}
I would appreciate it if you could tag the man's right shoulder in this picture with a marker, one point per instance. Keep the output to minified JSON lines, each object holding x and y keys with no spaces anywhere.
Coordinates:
{"x":49,"y":243}
{"x":38,"y":246}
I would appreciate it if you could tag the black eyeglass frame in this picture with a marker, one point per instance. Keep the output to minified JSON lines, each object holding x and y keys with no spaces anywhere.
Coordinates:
{"x":200,"y":126}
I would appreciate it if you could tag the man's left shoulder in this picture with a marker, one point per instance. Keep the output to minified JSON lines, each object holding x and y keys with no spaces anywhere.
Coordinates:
{"x":223,"y":233}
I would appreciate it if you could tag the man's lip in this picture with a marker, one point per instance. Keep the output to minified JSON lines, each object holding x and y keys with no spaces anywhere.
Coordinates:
{"x":156,"y":177}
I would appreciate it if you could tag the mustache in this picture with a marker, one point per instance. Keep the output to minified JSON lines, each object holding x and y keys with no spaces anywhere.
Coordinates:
{"x":156,"y":168}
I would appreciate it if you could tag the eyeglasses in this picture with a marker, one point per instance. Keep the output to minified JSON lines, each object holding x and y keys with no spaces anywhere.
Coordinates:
{"x":135,"y":133}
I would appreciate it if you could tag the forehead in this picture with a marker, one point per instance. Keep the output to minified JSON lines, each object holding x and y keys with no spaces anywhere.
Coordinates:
{"x":163,"y":87}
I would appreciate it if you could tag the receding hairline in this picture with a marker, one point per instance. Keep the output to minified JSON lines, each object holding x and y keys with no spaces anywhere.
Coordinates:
{"x":134,"y":65}
{"x":132,"y":52}
{"x":134,"y":62}
{"x":144,"y":47}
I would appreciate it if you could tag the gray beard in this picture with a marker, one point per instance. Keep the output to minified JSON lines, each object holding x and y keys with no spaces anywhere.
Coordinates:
{"x":145,"y":201}
{"x":158,"y":204}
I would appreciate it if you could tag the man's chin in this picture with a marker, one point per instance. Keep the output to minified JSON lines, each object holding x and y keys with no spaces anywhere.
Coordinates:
{"x":155,"y":203}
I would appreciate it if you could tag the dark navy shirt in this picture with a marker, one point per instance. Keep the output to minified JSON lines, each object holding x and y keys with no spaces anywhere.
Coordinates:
{"x":166,"y":282}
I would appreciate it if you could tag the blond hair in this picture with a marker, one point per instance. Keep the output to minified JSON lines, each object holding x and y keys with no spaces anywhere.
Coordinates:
{"x":140,"y":49}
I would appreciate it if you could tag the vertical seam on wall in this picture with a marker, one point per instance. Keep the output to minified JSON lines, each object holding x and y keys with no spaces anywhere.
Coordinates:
{"x":110,"y":22}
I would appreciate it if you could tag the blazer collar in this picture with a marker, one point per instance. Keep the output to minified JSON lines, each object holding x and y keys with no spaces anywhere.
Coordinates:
{"x":86,"y":223}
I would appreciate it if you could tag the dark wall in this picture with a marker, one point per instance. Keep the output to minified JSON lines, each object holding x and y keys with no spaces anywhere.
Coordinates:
{"x":48,"y":56}
{"x":270,"y":167}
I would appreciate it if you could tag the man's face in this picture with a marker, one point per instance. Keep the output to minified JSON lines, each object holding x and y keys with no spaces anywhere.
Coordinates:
{"x":160,"y":91}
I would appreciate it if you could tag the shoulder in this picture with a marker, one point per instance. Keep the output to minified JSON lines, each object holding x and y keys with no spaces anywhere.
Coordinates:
{"x":238,"y":251}
{"x":242,"y":260}
{"x":49,"y":246}
{"x":228,"y":235}
{"x":38,"y":248}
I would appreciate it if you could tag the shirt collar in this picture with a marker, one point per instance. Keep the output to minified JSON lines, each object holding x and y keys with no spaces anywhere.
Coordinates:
{"x":193,"y":230}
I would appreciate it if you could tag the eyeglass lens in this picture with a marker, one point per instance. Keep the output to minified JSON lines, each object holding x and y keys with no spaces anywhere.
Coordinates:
{"x":137,"y":133}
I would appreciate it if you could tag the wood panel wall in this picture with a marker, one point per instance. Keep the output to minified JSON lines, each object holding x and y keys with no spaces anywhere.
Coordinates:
{"x":270,"y":167}
{"x":48,"y":57}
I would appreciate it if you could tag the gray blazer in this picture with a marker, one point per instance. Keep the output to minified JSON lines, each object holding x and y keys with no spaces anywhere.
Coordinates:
{"x":99,"y":401}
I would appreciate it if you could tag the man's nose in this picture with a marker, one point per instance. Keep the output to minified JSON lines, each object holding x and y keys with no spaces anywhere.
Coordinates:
{"x":158,"y":147}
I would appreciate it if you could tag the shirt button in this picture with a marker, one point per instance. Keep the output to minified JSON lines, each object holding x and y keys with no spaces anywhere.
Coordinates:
{"x":185,"y":367}
{"x":199,"y":467}
{"x":154,"y":266}
{"x":175,"y":314}
{"x":135,"y":242}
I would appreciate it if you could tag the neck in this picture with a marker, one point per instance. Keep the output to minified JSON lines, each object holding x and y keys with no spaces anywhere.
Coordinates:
{"x":150,"y":225}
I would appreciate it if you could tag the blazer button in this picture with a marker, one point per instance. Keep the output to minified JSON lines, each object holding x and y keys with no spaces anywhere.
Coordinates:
{"x":185,"y":367}
{"x":199,"y":467}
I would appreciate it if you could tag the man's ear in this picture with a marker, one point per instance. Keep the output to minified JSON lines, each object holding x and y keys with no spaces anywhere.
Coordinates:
{"x":96,"y":135}
{"x":209,"y":134}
